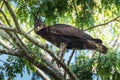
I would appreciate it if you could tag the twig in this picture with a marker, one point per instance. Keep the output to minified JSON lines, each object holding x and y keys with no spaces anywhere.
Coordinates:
{"x":98,"y":61}
{"x":69,"y":60}
{"x":2,"y":5}
{"x":116,"y":41}
{"x":75,"y":8}
{"x":71,"y":57}
{"x":94,"y":53}
{"x":5,"y":17}
{"x":103,"y":23}
{"x":84,"y":10}
{"x":118,"y":20}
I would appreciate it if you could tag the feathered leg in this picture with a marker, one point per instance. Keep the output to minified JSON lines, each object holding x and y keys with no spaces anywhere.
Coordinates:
{"x":62,"y":50}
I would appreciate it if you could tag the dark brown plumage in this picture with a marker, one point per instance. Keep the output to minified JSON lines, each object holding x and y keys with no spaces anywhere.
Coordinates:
{"x":72,"y":37}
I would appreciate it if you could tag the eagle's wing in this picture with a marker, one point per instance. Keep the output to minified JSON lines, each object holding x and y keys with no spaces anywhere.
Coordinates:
{"x":69,"y":31}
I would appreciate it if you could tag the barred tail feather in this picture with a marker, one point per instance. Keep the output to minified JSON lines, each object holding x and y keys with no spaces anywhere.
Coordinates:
{"x":102,"y":48}
{"x":95,"y":46}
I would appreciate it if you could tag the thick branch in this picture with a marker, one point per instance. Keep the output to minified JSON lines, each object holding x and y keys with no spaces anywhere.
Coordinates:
{"x":115,"y":19}
{"x":7,"y":28}
{"x":44,"y":68}
{"x":4,"y":44}
{"x":12,"y":14}
{"x":46,"y":60}
{"x":9,"y":52}
{"x":42,"y":74}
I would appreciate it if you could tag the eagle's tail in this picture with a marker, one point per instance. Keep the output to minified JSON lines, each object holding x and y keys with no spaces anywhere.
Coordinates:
{"x":101,"y":48}
{"x":95,"y":46}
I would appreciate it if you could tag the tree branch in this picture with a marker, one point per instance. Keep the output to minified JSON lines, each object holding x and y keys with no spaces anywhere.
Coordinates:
{"x":12,"y":15}
{"x":70,"y":57}
{"x":116,"y":40}
{"x":2,"y":4}
{"x":4,"y":44}
{"x":42,"y":74}
{"x":9,"y":52}
{"x":75,"y":8}
{"x":118,"y":20}
{"x":7,"y":28}
{"x":115,"y":19}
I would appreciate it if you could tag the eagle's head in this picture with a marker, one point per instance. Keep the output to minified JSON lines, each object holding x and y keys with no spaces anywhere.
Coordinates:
{"x":38,"y":25}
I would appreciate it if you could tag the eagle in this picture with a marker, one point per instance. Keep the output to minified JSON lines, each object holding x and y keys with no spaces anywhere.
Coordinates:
{"x":68,"y":37}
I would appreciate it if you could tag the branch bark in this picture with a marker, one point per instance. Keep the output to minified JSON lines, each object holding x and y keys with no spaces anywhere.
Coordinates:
{"x":42,"y":74}
{"x":7,"y":28}
{"x":4,"y":44}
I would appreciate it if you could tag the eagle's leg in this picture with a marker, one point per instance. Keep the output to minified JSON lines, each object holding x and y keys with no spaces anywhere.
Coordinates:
{"x":62,"y":50}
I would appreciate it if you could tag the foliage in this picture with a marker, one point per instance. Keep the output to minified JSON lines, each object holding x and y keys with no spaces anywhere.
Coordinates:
{"x":83,"y":68}
{"x":105,"y":66}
